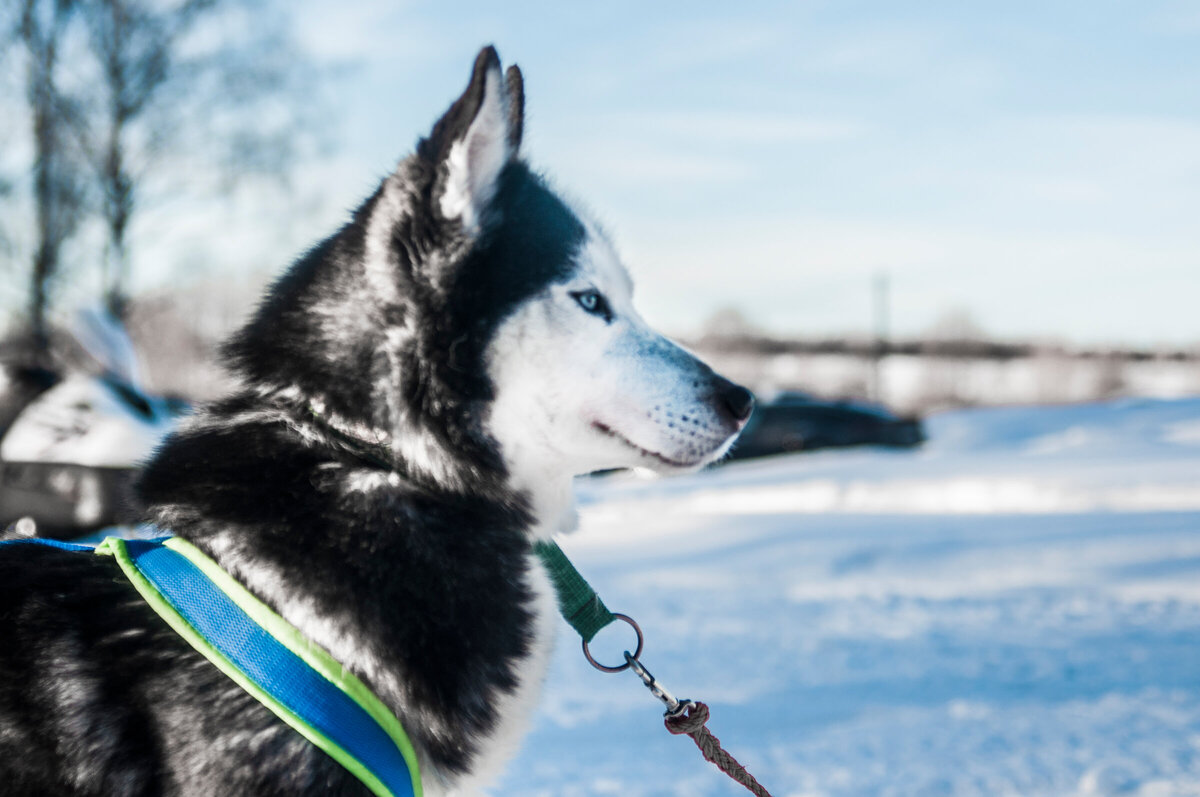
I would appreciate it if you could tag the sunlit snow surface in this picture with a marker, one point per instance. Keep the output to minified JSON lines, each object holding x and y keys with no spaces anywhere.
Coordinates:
{"x":1013,"y":610}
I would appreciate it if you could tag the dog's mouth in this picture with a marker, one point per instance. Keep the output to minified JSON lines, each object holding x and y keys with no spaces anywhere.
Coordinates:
{"x":645,"y":452}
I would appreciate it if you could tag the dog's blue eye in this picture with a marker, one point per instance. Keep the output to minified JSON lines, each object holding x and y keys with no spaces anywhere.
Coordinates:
{"x":594,"y":302}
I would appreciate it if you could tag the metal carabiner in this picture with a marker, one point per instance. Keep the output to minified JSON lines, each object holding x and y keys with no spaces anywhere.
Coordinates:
{"x":675,"y":707}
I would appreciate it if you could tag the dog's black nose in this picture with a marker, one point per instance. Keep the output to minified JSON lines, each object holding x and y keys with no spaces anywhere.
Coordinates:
{"x":738,"y":400}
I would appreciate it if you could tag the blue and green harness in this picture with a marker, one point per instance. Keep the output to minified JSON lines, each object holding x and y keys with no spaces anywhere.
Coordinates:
{"x":289,"y":674}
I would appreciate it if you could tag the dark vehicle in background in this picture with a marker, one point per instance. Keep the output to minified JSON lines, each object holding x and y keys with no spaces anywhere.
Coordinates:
{"x":795,"y":421}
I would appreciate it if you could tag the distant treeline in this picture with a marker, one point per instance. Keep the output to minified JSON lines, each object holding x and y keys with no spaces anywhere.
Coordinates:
{"x":764,"y":345}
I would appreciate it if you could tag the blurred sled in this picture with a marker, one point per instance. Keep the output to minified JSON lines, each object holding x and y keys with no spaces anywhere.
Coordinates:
{"x":71,"y":440}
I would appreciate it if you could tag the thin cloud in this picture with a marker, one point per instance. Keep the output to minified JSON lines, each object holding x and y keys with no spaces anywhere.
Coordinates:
{"x":817,"y":275}
{"x":738,"y":127}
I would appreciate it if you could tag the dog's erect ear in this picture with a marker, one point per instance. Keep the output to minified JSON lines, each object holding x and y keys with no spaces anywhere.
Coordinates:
{"x":516,"y":106}
{"x":475,"y":140}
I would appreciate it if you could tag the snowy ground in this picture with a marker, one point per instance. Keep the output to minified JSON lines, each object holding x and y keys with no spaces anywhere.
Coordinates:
{"x":1013,"y":610}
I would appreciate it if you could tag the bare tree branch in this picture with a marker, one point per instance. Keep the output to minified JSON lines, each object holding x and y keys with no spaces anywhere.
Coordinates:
{"x":132,"y":103}
{"x":58,"y":195}
{"x":164,"y":97}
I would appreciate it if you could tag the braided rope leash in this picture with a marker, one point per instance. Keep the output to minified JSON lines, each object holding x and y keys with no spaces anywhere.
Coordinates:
{"x":692,"y":722}
{"x":690,"y":717}
{"x":583,"y":610}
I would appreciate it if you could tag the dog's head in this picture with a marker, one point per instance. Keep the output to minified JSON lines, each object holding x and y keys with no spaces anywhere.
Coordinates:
{"x":481,"y":324}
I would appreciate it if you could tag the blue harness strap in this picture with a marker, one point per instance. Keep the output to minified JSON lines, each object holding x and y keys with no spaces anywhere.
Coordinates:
{"x":311,"y":693}
{"x":65,"y":546}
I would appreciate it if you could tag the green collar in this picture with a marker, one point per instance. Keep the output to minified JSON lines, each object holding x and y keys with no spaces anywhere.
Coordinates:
{"x":579,"y":604}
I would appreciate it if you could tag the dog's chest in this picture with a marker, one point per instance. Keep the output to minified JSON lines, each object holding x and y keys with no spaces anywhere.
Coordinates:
{"x":515,"y":709}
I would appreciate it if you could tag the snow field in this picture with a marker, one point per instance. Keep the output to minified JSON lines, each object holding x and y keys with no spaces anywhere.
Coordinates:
{"x":1012,"y":610}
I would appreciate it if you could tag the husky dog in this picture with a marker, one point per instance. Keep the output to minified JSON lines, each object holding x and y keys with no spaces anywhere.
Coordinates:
{"x":418,"y":391}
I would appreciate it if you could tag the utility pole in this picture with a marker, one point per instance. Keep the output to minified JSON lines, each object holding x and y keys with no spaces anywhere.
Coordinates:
{"x":879,"y":291}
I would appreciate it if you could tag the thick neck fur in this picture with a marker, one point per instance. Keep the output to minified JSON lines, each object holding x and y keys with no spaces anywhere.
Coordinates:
{"x":423,"y":594}
{"x":348,"y":332}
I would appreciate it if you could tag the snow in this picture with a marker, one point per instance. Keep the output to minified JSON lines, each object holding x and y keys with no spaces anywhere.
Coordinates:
{"x":1012,"y":610}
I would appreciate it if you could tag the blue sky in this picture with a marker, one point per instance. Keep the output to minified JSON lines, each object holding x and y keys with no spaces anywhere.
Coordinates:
{"x":1036,"y":164}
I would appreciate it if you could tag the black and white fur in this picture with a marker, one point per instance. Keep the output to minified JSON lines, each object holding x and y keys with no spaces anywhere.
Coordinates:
{"x":419,"y":389}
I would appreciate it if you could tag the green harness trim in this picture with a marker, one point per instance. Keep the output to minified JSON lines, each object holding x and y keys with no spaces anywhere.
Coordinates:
{"x":579,"y":604}
{"x":288,"y":636}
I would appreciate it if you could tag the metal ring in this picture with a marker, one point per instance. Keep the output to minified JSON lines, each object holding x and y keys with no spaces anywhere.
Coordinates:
{"x":636,"y":628}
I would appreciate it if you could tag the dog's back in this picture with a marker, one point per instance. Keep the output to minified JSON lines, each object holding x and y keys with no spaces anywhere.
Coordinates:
{"x":99,"y":697}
